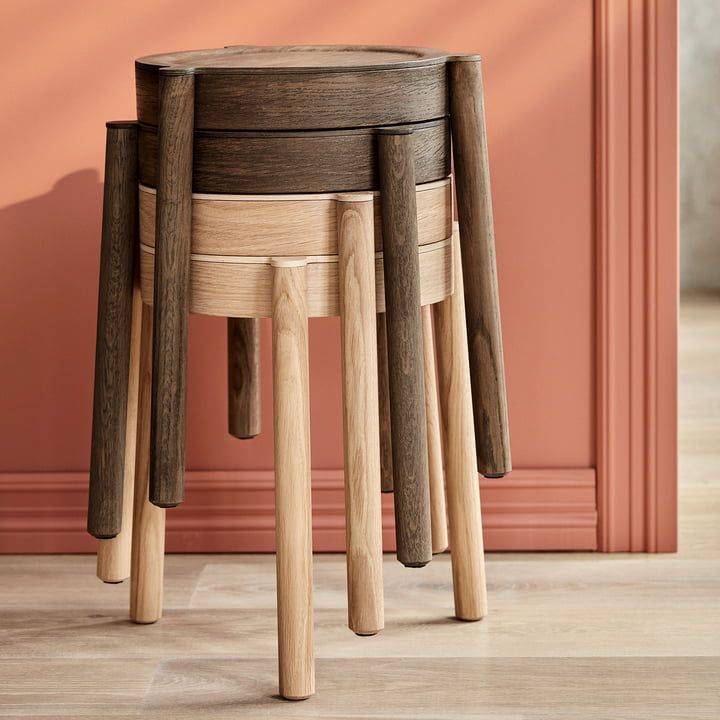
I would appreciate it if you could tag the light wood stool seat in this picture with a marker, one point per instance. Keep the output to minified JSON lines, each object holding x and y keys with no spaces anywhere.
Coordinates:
{"x":288,"y":183}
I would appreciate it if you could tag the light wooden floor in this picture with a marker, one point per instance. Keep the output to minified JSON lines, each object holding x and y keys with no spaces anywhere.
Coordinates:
{"x":569,"y":635}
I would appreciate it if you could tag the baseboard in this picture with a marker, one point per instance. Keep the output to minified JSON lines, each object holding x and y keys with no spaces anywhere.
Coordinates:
{"x":233,"y":511}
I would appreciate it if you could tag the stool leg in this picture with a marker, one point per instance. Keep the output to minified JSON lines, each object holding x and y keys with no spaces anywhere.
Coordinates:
{"x":113,"y":555}
{"x":404,"y":346}
{"x":293,"y":519}
{"x":463,"y":490}
{"x":386,"y":470}
{"x":474,"y":202}
{"x":363,"y":511}
{"x":171,"y":294}
{"x":112,"y":350}
{"x":148,"y":529}
{"x":438,"y":516}
{"x":243,"y":377}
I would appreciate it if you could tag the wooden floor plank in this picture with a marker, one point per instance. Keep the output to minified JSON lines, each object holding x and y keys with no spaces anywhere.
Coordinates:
{"x":415,"y":688}
{"x":568,"y":635}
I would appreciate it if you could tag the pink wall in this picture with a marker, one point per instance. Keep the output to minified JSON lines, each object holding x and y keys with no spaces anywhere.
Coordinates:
{"x":68,"y":68}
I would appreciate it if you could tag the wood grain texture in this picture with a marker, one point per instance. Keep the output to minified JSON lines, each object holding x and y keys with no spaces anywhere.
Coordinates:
{"x":273,"y":225}
{"x":148,"y":534}
{"x":386,"y":470}
{"x":243,"y":343}
{"x":404,"y":346}
{"x":297,"y":162}
{"x":361,"y":439}
{"x":594,"y":646}
{"x":438,"y":514}
{"x":269,"y":60}
{"x":242,"y":287}
{"x":364,"y":89}
{"x":171,"y":289}
{"x":462,"y":487}
{"x":472,"y":178}
{"x":113,"y":555}
{"x":112,"y":348}
{"x":293,"y":504}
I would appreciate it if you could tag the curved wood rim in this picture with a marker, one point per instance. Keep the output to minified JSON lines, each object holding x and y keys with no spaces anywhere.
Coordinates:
{"x":242,"y":287}
{"x":400,"y":129}
{"x":296,"y":225}
{"x":192,"y":59}
{"x":296,"y":162}
{"x":273,"y":259}
{"x":342,"y":97}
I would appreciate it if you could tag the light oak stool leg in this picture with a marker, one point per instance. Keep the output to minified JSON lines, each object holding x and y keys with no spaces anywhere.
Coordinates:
{"x":293,"y":519}
{"x":482,"y":306}
{"x":363,"y":511}
{"x":243,"y":377}
{"x":112,"y":349}
{"x":463,"y":489}
{"x":171,"y":294}
{"x":438,"y":515}
{"x":148,"y":529}
{"x":113,"y":555}
{"x":404,"y":345}
{"x":386,"y":469}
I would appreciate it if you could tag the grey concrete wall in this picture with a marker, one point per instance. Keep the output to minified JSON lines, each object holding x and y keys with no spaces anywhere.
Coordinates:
{"x":700,"y":144}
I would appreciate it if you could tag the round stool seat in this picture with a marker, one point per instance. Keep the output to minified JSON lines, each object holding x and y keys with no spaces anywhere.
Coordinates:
{"x":236,"y":239}
{"x":289,"y":225}
{"x":297,"y":162}
{"x":313,"y":87}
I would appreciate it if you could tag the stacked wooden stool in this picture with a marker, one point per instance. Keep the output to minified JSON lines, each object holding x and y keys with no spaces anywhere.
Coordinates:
{"x":296,"y":182}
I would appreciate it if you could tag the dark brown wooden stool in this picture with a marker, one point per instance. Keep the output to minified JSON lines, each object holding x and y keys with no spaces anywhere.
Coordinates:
{"x":238,"y":122}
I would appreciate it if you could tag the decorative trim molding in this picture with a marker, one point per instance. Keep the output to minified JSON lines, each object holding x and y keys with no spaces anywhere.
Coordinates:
{"x":234,"y":511}
{"x":637,"y":270}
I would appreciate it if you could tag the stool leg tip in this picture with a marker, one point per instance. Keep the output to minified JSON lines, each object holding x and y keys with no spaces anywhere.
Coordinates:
{"x":367,"y":633}
{"x":297,"y":698}
{"x":415,"y":564}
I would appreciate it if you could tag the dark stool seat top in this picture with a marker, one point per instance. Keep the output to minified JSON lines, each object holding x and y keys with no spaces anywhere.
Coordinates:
{"x":303,"y":87}
{"x":241,"y":59}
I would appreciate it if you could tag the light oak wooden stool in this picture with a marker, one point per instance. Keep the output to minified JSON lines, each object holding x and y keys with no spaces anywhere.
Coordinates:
{"x":246,"y":210}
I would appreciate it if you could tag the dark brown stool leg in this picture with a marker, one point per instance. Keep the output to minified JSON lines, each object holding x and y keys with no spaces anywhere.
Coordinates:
{"x":171,"y":295}
{"x":472,"y":178}
{"x":112,"y":349}
{"x":386,"y":470}
{"x":243,"y":377}
{"x":404,"y":346}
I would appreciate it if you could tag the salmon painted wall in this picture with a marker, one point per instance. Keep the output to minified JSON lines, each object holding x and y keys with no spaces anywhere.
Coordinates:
{"x":68,"y":67}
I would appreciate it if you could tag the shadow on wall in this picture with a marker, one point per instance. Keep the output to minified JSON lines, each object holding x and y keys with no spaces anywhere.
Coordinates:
{"x":50,"y":249}
{"x":48,"y":296}
{"x":699,"y":145}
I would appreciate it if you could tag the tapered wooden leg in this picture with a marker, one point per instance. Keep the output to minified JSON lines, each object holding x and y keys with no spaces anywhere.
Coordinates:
{"x":293,"y":519}
{"x":463,"y":489}
{"x":404,"y":345}
{"x":148,"y":530}
{"x":438,"y":514}
{"x":363,"y":511}
{"x":112,"y":349}
{"x":386,"y":469}
{"x":113,"y":555}
{"x":171,"y":294}
{"x":482,"y":306}
{"x":243,"y":377}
